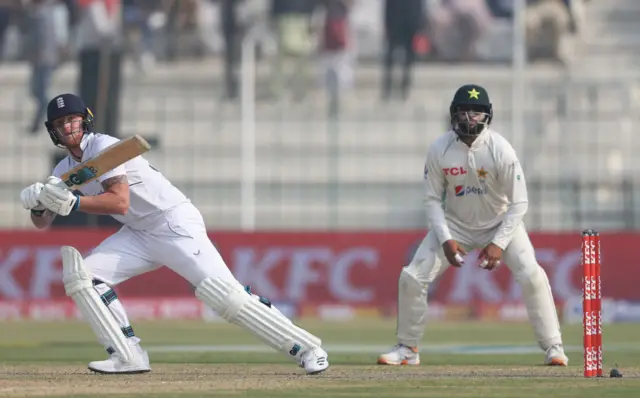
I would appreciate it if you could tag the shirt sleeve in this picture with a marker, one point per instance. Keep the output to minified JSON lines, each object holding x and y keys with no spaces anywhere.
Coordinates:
{"x":58,"y":171}
{"x":434,"y":186}
{"x":512,"y":181}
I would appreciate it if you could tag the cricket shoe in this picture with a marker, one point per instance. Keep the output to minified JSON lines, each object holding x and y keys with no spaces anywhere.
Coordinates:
{"x":555,"y":356}
{"x":400,"y":355}
{"x":314,"y":361}
{"x":115,"y":365}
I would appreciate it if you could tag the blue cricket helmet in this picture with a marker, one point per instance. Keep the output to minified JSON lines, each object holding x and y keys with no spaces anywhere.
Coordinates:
{"x":65,"y":105}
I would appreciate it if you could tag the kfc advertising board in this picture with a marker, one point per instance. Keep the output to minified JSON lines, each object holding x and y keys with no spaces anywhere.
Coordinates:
{"x":311,"y":268}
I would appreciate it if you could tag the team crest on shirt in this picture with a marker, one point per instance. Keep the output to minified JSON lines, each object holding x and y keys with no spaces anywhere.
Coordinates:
{"x":482,"y":173}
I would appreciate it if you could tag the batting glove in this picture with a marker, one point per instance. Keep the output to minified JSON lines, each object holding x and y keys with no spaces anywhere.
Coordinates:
{"x":57,"y":199}
{"x":29,"y":197}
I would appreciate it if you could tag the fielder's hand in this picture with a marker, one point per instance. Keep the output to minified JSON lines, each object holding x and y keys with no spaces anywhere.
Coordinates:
{"x":453,"y":252}
{"x":29,"y":197}
{"x":57,"y":199}
{"x":490,"y":256}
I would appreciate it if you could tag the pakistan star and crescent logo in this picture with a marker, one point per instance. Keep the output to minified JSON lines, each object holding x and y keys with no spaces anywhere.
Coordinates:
{"x":482,"y":173}
{"x":474,"y":94}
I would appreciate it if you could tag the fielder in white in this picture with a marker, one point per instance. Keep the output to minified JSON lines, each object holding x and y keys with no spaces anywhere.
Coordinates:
{"x":161,"y":226}
{"x":476,"y":197}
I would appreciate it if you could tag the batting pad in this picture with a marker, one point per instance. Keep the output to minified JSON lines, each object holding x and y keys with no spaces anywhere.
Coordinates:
{"x":232,"y":302}
{"x":78,"y":285}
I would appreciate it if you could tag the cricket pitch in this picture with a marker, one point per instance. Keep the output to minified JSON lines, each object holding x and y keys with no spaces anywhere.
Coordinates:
{"x":196,"y":359}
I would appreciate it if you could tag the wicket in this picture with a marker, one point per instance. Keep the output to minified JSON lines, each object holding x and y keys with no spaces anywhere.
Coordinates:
{"x":591,"y":303}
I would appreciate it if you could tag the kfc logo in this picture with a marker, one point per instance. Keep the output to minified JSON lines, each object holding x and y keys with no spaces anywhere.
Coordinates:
{"x":291,"y":273}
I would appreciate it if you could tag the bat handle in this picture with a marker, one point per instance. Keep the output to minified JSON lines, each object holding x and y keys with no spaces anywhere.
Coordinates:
{"x":62,"y":185}
{"x":58,"y":183}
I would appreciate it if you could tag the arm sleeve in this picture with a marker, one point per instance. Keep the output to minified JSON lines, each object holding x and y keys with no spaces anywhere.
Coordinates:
{"x":512,"y":180}
{"x":434,"y":187}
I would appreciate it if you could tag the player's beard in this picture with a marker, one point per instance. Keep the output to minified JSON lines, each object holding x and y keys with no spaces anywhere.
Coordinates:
{"x":470,"y":124}
{"x":71,"y":140}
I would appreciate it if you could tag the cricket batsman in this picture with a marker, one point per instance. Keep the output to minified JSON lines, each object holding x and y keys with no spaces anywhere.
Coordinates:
{"x":160,"y":226}
{"x":476,"y":197}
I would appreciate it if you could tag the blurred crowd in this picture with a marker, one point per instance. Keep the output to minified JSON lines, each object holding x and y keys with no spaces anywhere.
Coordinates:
{"x":296,"y":35}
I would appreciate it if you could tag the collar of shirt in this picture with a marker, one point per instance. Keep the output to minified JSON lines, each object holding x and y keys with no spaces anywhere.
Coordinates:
{"x":84,"y":142}
{"x":480,"y":140}
{"x":86,"y":138}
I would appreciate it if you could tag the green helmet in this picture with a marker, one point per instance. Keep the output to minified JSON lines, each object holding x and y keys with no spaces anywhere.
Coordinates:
{"x":471,"y":111}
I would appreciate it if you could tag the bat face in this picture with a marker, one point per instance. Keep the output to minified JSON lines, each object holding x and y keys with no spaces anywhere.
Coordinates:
{"x":107,"y":160}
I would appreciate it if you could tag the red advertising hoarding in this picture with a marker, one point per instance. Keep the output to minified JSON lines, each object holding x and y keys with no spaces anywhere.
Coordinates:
{"x":311,"y":268}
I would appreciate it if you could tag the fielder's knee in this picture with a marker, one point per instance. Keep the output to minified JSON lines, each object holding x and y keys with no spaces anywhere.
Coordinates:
{"x":422,"y":270}
{"x":531,"y":276}
{"x":409,"y":282}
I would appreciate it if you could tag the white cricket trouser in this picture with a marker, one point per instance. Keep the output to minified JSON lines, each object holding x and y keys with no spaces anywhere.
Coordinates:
{"x":429,"y":262}
{"x":181,"y":243}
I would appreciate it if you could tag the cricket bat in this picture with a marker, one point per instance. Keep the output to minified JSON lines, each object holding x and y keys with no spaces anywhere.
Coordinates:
{"x":105,"y":161}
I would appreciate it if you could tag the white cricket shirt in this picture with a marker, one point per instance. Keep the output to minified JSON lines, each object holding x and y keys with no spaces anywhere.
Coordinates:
{"x":482,"y":188}
{"x":150,"y":193}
